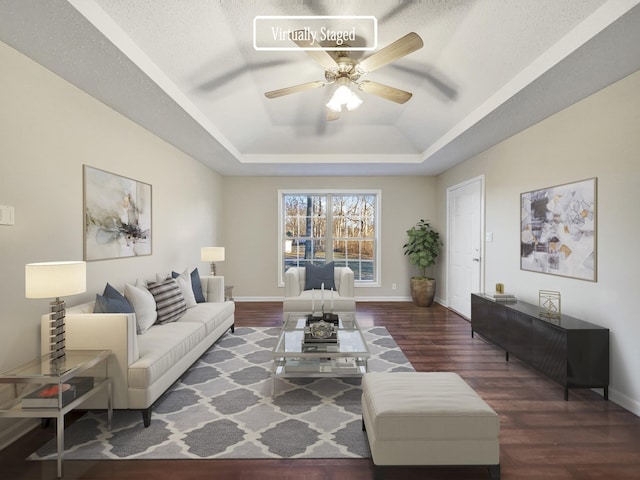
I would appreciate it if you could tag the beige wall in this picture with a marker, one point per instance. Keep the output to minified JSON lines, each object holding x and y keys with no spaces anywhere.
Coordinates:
{"x":597,"y":137}
{"x":48,"y":130}
{"x":251,"y":236}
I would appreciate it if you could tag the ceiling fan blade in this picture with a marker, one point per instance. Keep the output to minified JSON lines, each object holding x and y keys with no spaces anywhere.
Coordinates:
{"x":320,"y":56}
{"x":394,"y":12}
{"x":398,"y":49}
{"x":443,"y":85}
{"x":295,"y":89}
{"x":231,"y":75}
{"x":384,"y":91}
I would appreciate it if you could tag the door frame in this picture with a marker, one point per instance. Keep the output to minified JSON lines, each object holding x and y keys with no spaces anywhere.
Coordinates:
{"x":450,"y":189}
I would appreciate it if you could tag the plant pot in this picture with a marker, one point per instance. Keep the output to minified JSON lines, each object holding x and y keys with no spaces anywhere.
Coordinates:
{"x":423,"y":291}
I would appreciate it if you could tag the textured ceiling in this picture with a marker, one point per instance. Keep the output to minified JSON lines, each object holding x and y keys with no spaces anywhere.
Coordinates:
{"x":187,"y":70}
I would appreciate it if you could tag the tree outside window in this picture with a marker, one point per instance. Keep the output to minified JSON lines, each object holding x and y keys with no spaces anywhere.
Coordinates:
{"x":323,"y":227}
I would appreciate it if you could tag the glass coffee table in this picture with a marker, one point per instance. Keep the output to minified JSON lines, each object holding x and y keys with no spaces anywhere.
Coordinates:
{"x":293,"y":357}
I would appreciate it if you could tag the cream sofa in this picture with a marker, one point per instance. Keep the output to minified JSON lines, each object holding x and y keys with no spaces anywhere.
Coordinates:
{"x":297,"y":299}
{"x":144,"y":366}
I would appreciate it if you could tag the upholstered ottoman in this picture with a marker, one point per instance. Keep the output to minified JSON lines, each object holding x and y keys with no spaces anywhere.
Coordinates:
{"x":415,"y":418}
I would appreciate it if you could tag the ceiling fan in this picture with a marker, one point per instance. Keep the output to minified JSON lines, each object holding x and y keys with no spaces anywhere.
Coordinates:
{"x":344,"y":72}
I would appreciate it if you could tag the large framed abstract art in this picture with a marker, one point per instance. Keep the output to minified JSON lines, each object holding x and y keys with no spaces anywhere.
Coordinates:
{"x":558,"y":230}
{"x":117,"y":216}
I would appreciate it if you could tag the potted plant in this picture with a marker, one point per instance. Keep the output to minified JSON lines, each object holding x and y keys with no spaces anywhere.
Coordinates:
{"x":422,"y":249}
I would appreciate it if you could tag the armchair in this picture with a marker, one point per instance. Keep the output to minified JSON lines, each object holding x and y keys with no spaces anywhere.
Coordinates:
{"x":297,"y":299}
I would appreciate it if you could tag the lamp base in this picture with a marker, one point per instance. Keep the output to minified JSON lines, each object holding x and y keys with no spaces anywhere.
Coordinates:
{"x":56,"y":329}
{"x":213,"y":269}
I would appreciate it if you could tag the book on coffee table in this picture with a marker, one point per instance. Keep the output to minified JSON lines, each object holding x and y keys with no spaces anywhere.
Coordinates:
{"x":47,"y":395}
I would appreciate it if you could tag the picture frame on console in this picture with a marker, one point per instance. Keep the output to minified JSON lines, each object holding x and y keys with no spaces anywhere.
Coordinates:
{"x":558,"y":230}
{"x":117,"y":216}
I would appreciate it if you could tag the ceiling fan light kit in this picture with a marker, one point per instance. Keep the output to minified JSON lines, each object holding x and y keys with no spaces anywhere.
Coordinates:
{"x":344,"y":71}
{"x":343,"y":96}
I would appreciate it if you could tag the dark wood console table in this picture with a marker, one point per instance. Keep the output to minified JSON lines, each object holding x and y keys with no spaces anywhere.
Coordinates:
{"x":570,"y":351}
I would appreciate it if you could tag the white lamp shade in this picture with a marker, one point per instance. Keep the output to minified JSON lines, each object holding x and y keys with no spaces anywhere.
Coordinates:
{"x":343,"y":96}
{"x":55,"y":279}
{"x":212,"y":254}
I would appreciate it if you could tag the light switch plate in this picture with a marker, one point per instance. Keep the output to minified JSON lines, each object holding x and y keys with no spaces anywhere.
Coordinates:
{"x":488,"y":237}
{"x":7,"y":215}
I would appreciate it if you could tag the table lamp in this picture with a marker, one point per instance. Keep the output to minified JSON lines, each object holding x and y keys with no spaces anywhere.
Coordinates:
{"x":212,"y":254}
{"x":55,"y":279}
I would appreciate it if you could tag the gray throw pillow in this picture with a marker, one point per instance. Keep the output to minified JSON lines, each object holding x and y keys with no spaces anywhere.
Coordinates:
{"x":170,"y":303}
{"x":316,"y":275}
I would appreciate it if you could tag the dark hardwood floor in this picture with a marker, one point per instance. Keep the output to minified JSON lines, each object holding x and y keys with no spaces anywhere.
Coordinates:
{"x":542,"y":436}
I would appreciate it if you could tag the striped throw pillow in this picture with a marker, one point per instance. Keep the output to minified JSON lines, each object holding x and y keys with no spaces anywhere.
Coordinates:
{"x":170,"y":303}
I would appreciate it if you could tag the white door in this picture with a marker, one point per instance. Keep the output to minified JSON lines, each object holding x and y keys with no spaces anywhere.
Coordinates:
{"x":464,"y":246}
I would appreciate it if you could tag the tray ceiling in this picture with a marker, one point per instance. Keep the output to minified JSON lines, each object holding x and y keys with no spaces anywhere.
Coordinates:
{"x":188,"y":72}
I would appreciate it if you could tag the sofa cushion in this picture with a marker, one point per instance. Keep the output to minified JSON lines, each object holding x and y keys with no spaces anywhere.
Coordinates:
{"x":211,"y":314}
{"x":143,"y":305}
{"x":316,"y":275}
{"x":170,"y":303}
{"x":184,"y":282}
{"x":161,"y":348}
{"x":304,"y":302}
{"x":111,"y":301}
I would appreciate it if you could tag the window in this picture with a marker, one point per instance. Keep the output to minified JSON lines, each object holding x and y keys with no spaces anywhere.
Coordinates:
{"x":338,"y":226}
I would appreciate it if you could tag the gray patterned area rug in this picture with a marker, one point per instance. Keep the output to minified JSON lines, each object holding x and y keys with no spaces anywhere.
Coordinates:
{"x":223,"y":407}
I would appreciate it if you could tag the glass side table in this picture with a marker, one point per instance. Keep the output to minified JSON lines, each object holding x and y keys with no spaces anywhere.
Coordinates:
{"x":46,"y":388}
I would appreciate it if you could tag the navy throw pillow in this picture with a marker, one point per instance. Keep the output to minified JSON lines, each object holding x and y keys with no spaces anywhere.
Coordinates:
{"x":196,"y":286}
{"x":111,"y":301}
{"x":316,"y":275}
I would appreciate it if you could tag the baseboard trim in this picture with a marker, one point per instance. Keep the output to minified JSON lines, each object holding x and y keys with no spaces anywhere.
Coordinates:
{"x":383,"y":299}
{"x":358,"y":299}
{"x":623,"y":400}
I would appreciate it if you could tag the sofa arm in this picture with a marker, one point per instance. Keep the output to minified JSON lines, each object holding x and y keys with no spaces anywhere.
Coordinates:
{"x":102,"y":331}
{"x":213,"y":288}
{"x":346,"y":283}
{"x":292,"y":282}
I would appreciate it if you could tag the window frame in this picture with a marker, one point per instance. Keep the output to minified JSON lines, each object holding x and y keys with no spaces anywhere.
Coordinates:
{"x":325,"y":191}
